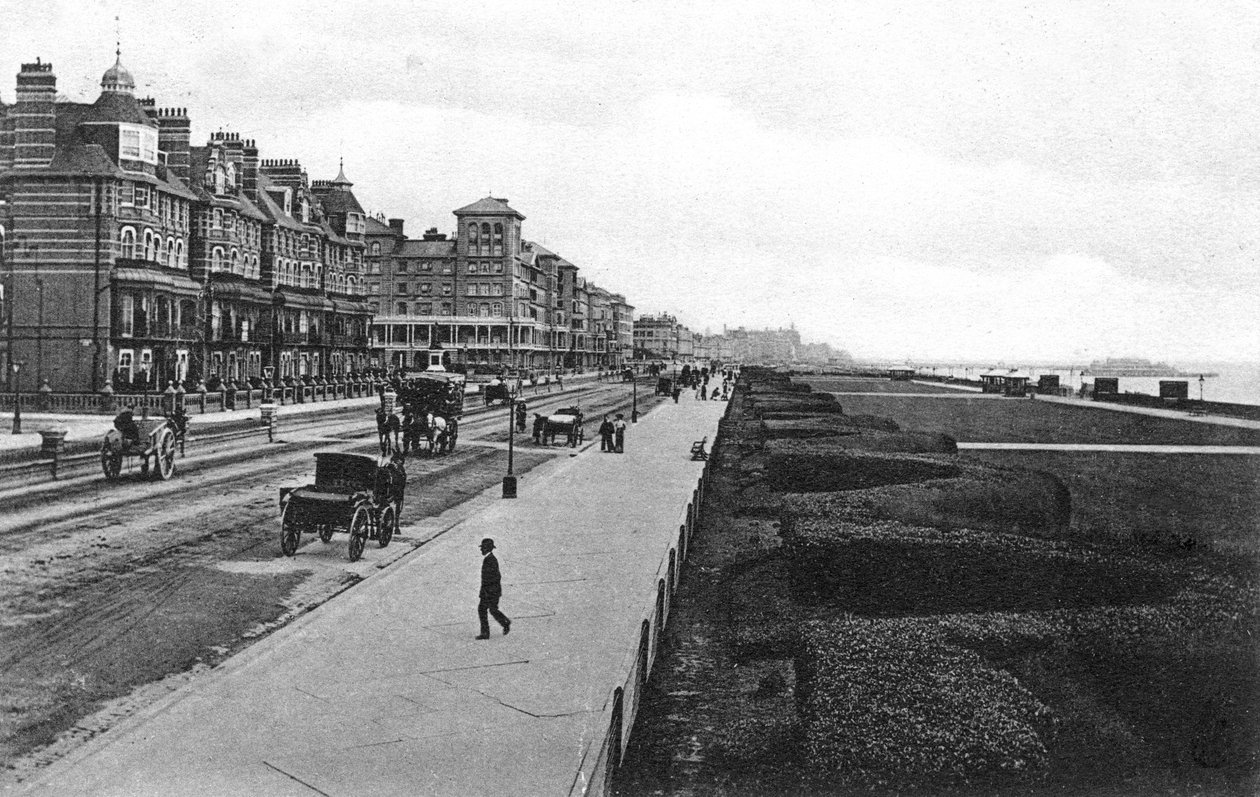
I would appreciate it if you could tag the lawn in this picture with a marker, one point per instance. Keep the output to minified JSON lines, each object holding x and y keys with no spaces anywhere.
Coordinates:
{"x":987,"y":420}
{"x":855,"y":384}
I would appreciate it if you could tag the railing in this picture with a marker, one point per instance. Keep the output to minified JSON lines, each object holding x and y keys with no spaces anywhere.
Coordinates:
{"x":602,"y":756}
{"x":193,"y":402}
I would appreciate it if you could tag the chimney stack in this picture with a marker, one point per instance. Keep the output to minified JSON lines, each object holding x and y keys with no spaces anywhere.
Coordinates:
{"x":397,"y":226}
{"x":35,"y":116}
{"x":174,"y":133}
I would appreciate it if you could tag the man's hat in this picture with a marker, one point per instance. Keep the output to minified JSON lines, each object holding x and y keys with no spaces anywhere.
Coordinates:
{"x":487,"y":544}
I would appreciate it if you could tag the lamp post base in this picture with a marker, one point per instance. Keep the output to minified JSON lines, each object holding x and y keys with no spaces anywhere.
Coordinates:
{"x":509,"y":486}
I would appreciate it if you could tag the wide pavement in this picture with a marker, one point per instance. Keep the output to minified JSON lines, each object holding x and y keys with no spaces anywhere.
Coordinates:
{"x":384,"y":690}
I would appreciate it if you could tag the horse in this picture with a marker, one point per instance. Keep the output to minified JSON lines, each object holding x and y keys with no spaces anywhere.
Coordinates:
{"x":441,"y":433}
{"x":387,"y":428}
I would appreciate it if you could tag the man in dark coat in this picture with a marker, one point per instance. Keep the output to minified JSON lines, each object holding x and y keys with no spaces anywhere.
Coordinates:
{"x":539,"y":423}
{"x":606,"y":435}
{"x":125,"y":423}
{"x":491,"y":591}
{"x":522,"y":412}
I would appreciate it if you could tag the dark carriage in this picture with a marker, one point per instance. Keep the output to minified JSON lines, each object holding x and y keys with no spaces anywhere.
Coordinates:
{"x":352,"y":493}
{"x":154,"y":447}
{"x":567,"y":422}
{"x":497,"y":392}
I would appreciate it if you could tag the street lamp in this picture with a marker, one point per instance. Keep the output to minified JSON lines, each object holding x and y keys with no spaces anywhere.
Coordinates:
{"x":509,"y":481}
{"x":634,"y":392}
{"x":16,"y":365}
{"x":1200,"y":388}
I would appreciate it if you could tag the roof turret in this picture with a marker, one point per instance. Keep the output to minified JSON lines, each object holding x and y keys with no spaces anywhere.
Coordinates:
{"x":117,"y":78}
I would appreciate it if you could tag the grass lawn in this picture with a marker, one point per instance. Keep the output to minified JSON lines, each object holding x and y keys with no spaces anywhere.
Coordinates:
{"x":1022,"y":421}
{"x":1211,"y":499}
{"x":855,"y":384}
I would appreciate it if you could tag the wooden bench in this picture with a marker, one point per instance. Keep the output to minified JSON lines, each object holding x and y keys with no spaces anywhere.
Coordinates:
{"x":1198,"y":412}
{"x":697,"y":450}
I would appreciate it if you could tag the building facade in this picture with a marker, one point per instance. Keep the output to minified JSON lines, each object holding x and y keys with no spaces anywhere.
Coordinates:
{"x":135,"y":260}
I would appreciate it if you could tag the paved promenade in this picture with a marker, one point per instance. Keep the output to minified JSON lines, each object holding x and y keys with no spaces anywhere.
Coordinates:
{"x":384,"y":690}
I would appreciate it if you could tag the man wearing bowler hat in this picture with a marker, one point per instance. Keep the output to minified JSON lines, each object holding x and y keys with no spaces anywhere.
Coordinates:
{"x":491,"y":591}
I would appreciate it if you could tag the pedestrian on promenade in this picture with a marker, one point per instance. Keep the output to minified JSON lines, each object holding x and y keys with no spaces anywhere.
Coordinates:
{"x":619,"y":429}
{"x":491,"y":591}
{"x":704,"y":392}
{"x":677,"y":392}
{"x":559,"y":381}
{"x":606,"y":435}
{"x":539,"y":423}
{"x":521,"y":414}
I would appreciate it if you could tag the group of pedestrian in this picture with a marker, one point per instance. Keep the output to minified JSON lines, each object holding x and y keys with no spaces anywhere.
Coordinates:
{"x":612,"y":435}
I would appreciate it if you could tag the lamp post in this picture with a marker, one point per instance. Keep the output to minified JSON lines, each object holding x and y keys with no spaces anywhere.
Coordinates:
{"x":1200,"y":388}
{"x":509,"y":481}
{"x":634,"y":392}
{"x":16,"y":365}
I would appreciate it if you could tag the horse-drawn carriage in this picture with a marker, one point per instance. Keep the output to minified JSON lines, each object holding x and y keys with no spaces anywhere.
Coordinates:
{"x":431,"y":402}
{"x":567,"y":422}
{"x":352,"y":493}
{"x":152,"y":441}
{"x":497,"y":391}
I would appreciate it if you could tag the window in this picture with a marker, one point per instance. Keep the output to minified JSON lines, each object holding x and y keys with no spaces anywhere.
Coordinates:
{"x":236,"y":262}
{"x":498,"y":267}
{"x":472,"y":308}
{"x":497,"y":308}
{"x":485,"y":238}
{"x":446,"y":290}
{"x":425,"y":308}
{"x":148,"y":245}
{"x":172,"y":256}
{"x":473,"y":238}
{"x":401,"y":268}
{"x":498,"y":240}
{"x":179,"y":254}
{"x":472,"y":268}
{"x":126,"y":194}
{"x":141,"y":196}
{"x":483,"y":289}
{"x":129,"y":143}
{"x":376,"y":248}
{"x":426,"y":266}
{"x":128,"y":243}
{"x":400,"y":288}
{"x":498,"y":289}
{"x":425,"y":287}
{"x":485,"y":309}
{"x":126,"y":315}
{"x":125,"y":362}
{"x":218,"y":218}
{"x":446,"y":308}
{"x":471,"y":289}
{"x":402,"y":308}
{"x":216,"y":259}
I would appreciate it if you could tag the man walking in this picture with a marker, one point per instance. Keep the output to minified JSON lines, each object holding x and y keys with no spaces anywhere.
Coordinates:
{"x":619,"y":429}
{"x":491,"y":591}
{"x":606,"y":435}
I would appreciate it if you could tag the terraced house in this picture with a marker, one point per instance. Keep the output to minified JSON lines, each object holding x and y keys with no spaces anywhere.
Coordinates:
{"x":132,"y":259}
{"x":483,"y":296}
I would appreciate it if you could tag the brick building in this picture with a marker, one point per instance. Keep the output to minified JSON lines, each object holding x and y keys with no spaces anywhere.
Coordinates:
{"x":134,"y":259}
{"x":482,"y":296}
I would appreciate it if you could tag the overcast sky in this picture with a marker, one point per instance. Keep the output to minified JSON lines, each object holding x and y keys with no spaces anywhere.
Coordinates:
{"x":954,"y":180}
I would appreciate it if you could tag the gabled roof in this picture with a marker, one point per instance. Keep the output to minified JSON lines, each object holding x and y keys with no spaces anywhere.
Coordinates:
{"x":377,"y":227}
{"x":539,"y":250}
{"x":339,"y":202}
{"x":488,"y":206}
{"x":116,"y":106}
{"x":84,"y":159}
{"x":273,"y":211}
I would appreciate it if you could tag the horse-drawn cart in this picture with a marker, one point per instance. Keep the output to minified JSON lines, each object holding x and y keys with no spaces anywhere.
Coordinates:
{"x":153,"y":444}
{"x":352,"y":493}
{"x":567,"y":422}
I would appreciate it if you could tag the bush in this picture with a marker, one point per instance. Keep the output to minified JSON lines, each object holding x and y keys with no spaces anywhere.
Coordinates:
{"x":892,"y":704}
{"x":841,"y":469}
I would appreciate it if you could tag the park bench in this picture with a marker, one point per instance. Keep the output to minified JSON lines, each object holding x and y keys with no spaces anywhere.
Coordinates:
{"x":697,"y":450}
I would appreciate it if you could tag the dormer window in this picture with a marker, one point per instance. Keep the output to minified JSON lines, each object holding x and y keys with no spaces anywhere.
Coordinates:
{"x":137,"y":143}
{"x":306,"y":211}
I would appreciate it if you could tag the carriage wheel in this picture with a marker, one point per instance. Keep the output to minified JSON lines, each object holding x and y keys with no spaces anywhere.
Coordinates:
{"x":111,"y":462}
{"x":164,"y":455}
{"x":325,"y":532}
{"x":360,"y":524}
{"x":387,"y":525}
{"x":290,"y":534}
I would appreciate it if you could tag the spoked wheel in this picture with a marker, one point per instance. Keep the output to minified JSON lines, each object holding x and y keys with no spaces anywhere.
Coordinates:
{"x":360,"y":525}
{"x":387,"y":525}
{"x":111,"y":462}
{"x":290,"y":534}
{"x":325,"y":532}
{"x":164,"y":455}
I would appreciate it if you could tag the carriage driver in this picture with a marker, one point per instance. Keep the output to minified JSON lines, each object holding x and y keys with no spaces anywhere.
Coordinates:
{"x":125,"y":423}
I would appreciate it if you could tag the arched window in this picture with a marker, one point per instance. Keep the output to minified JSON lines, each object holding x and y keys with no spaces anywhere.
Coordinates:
{"x":236,"y":262}
{"x":216,"y":259}
{"x":307,"y":277}
{"x":179,"y":253}
{"x":218,"y":218}
{"x":498,"y":240}
{"x":473,"y":239}
{"x":172,"y":256}
{"x":128,"y":241}
{"x":376,"y":247}
{"x":157,"y":249}
{"x":485,"y":238}
{"x":485,"y":309}
{"x":148,"y":245}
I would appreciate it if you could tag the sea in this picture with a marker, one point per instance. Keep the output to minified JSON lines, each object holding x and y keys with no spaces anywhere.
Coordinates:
{"x":1230,"y":382}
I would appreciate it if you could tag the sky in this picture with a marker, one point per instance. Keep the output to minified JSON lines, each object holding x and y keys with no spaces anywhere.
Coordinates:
{"x":951,"y":181}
